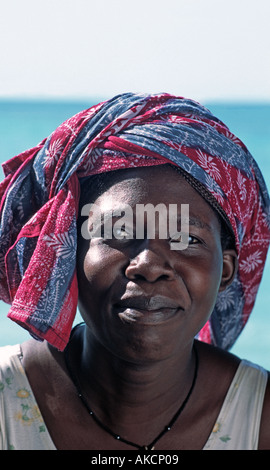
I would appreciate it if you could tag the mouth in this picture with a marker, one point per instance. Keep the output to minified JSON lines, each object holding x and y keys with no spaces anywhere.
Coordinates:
{"x":146,"y":310}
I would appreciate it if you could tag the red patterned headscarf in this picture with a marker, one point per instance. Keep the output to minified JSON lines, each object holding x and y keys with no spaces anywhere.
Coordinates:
{"x":40,"y":193}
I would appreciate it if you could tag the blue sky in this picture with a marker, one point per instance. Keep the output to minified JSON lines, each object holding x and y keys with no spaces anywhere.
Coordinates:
{"x":202,"y":49}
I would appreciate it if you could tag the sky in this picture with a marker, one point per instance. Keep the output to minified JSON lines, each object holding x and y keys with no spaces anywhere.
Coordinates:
{"x":201,"y":49}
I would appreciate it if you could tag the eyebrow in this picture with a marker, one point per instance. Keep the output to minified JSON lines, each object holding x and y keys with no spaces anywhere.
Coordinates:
{"x":198,"y":222}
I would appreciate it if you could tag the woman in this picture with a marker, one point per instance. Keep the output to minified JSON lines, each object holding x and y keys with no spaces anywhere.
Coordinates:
{"x":133,"y":375}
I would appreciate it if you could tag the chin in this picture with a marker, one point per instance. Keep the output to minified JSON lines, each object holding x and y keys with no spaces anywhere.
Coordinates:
{"x":143,"y":349}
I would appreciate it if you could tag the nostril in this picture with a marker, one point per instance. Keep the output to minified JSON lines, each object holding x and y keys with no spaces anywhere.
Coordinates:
{"x":140,"y":277}
{"x":149,"y":266}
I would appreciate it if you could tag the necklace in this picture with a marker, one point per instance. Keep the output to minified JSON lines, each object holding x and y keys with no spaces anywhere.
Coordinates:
{"x":112,"y":433}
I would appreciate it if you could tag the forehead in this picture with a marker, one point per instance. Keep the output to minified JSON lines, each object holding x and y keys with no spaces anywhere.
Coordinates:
{"x":152,"y":185}
{"x":161,"y":181}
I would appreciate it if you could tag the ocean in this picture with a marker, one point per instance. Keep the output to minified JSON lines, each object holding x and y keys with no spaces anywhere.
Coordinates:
{"x":23,"y":124}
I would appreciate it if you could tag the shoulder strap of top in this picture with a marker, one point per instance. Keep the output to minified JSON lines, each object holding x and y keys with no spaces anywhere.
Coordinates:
{"x":238,"y":423}
{"x":9,"y":360}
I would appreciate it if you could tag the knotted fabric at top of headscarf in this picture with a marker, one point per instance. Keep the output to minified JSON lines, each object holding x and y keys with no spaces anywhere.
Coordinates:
{"x":40,"y":194}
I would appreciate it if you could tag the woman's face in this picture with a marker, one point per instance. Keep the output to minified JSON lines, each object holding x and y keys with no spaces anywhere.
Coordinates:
{"x":142,"y":300}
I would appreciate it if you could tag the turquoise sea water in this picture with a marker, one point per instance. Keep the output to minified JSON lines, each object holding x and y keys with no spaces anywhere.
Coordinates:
{"x":24,"y":124}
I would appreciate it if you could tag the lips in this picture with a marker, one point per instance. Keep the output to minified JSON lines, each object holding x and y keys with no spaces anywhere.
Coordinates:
{"x":144,"y":309}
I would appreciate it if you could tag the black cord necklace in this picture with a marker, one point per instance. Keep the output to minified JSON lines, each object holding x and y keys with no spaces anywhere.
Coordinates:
{"x":112,"y":433}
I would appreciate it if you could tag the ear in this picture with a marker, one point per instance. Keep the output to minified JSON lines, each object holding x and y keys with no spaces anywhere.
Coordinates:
{"x":230,"y":267}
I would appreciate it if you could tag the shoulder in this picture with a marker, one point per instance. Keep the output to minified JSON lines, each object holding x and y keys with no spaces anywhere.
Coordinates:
{"x":217,"y":362}
{"x":256,"y":382}
{"x":217,"y":369}
{"x":39,"y":359}
{"x":15,"y":361}
{"x":44,"y":367}
{"x":264,"y":440}
{"x":223,"y":368}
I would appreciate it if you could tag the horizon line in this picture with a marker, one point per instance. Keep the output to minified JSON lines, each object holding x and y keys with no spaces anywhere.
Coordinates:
{"x":99,"y":98}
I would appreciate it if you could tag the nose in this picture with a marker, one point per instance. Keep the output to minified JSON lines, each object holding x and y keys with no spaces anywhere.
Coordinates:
{"x":152,"y":263}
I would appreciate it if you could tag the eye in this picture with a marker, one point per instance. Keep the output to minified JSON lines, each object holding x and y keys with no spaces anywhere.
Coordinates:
{"x":191,"y":240}
{"x":121,"y":233}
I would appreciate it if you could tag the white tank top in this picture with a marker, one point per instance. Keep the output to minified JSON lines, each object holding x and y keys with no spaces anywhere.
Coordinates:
{"x":23,"y":428}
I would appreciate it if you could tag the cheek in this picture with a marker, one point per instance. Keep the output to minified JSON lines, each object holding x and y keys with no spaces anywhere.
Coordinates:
{"x":94,"y":263}
{"x":202,"y":283}
{"x":98,"y":267}
{"x":205,"y":289}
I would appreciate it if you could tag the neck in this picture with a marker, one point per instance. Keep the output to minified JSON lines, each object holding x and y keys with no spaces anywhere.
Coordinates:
{"x":131,"y":393}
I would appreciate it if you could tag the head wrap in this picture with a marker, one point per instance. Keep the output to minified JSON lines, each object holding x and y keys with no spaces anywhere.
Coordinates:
{"x":40,"y":193}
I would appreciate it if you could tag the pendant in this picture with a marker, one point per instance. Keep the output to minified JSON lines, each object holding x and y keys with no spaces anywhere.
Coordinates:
{"x":146,"y":448}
